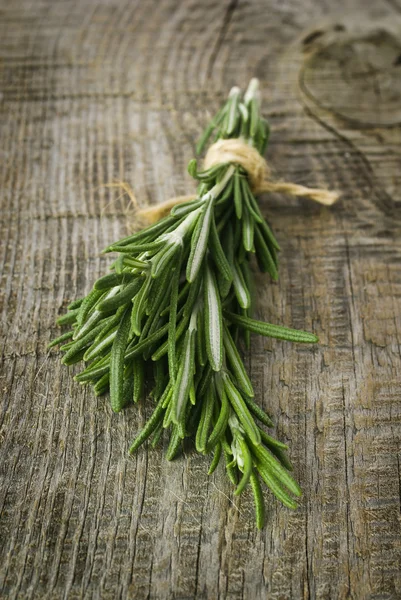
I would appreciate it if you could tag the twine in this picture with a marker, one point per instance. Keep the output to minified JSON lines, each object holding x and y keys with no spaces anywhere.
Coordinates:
{"x":236,"y":151}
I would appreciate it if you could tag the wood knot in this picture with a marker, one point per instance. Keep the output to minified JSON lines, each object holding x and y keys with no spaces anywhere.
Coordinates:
{"x":355,"y":75}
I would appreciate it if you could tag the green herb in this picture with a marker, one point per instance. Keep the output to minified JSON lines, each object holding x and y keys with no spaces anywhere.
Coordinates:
{"x":177,"y":303}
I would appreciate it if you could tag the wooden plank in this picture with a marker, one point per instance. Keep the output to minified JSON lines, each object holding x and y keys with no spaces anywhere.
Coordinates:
{"x":98,"y":92}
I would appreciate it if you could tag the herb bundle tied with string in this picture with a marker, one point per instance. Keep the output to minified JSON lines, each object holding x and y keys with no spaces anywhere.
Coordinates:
{"x":177,"y":302}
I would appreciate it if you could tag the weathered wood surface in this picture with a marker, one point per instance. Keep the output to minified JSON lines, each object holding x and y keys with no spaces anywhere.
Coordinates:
{"x":95,"y":91}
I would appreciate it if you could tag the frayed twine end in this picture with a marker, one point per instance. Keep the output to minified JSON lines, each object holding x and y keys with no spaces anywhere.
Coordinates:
{"x":152,"y":214}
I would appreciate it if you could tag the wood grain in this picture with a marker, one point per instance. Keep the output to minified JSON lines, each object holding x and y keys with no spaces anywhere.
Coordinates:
{"x":95,"y":91}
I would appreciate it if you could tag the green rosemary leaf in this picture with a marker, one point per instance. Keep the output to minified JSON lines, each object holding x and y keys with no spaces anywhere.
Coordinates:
{"x":162,"y":260}
{"x":236,"y":364}
{"x":224,"y":217}
{"x":163,"y":348}
{"x":185,"y":375}
{"x":212,"y":174}
{"x":274,"y":485}
{"x":167,"y":395}
{"x":258,"y":500}
{"x":150,"y":232}
{"x":119,"y":264}
{"x":266,"y":127}
{"x":114,"y":279}
{"x":240,"y":288}
{"x":68,"y":318}
{"x":181,"y":297}
{"x":192,"y":394}
{"x":160,"y":379}
{"x":250,"y":201}
{"x":75,"y":304}
{"x":139,"y":348}
{"x":92,"y":374}
{"x":209,"y":130}
{"x":213,"y":321}
{"x":100,"y":361}
{"x":274,"y":255}
{"x":249,"y":282}
{"x":206,"y":376}
{"x":241,"y":410}
{"x":270,"y":442}
{"x":194,"y":412}
{"x":129,"y":262}
{"x":138,"y":369}
{"x":254,"y":116}
{"x":265,"y":229}
{"x":121,"y":298}
{"x":282,"y":457}
{"x":75,"y":357}
{"x":237,"y":194}
{"x":157,"y":435}
{"x":139,"y":307}
{"x":272,"y":465}
{"x":199,"y":430}
{"x":246,"y":334}
{"x":274,"y":331}
{"x":244,"y":114}
{"x":217,"y":253}
{"x":160,"y":291}
{"x":128,"y":386}
{"x":109,"y":323}
{"x":98,"y":347}
{"x":181,"y":210}
{"x":93,"y":320}
{"x":80,"y":345}
{"x":60,"y":339}
{"x":216,"y":459}
{"x":150,"y":247}
{"x":150,"y":426}
{"x":168,"y":415}
{"x":278,"y":449}
{"x":147,"y":332}
{"x":88,"y":304}
{"x":182,"y":425}
{"x":102,"y":385}
{"x":193,"y":295}
{"x":175,"y":443}
{"x":201,"y":354}
{"x":172,"y":364}
{"x":117,"y":362}
{"x":221,"y":423}
{"x":232,"y":116}
{"x":192,"y":167}
{"x":230,"y":468}
{"x":264,"y":257}
{"x":246,"y":466}
{"x":247,"y":230}
{"x":225,"y":195}
{"x":67,"y":346}
{"x":199,"y":241}
{"x":228,"y":249}
{"x":205,"y":422}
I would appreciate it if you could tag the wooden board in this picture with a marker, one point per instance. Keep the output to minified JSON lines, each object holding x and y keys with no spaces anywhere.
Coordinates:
{"x":96,"y":91}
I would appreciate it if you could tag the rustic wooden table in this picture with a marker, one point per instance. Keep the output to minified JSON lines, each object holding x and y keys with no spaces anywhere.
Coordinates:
{"x":96,"y":91}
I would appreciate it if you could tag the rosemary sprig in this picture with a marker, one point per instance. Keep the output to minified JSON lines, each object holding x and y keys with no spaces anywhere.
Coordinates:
{"x":178,"y":300}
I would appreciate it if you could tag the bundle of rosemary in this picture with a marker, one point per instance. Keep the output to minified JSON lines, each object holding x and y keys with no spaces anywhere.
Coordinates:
{"x":178,"y":301}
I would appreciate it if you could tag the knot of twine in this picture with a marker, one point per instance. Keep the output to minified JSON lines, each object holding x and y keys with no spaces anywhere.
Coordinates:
{"x":236,"y":151}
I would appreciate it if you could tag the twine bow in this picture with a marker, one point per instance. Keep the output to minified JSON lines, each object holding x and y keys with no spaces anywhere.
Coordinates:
{"x":237,"y":151}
